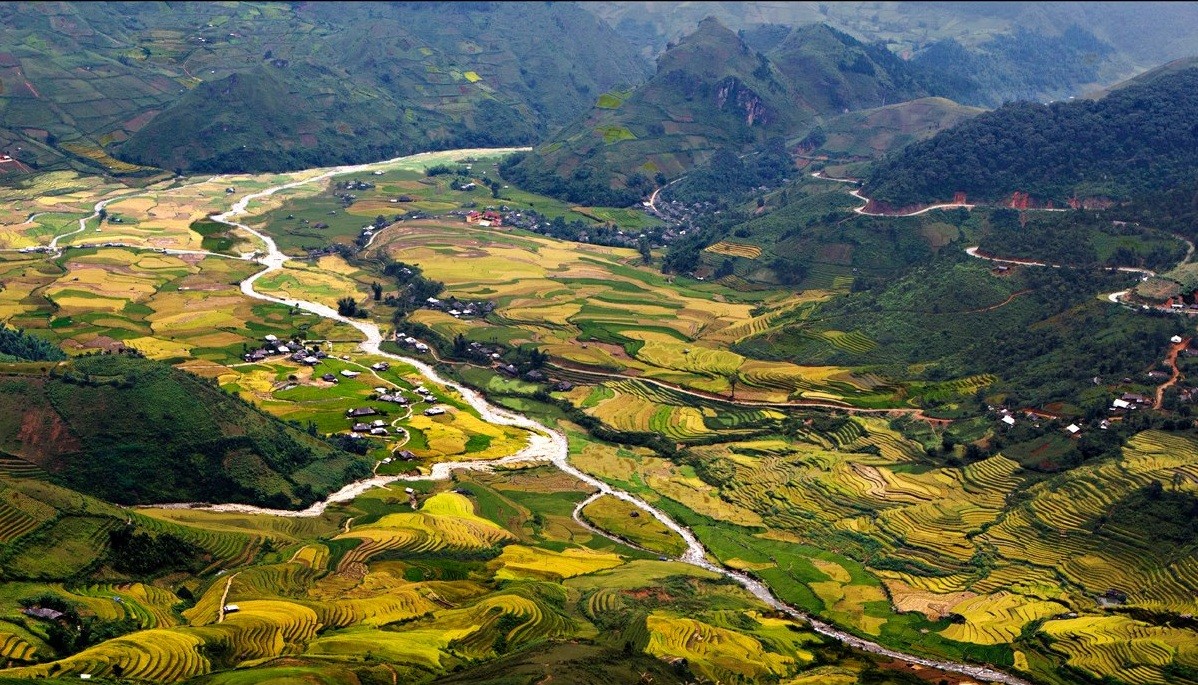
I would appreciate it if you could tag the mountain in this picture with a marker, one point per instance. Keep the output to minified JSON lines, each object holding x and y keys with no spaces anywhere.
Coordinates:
{"x":712,"y":91}
{"x":134,"y":431}
{"x":1138,"y":138}
{"x":1140,"y":35}
{"x":265,"y":86}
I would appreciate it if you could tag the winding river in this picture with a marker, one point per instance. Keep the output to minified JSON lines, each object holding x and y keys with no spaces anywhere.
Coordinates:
{"x":544,"y":445}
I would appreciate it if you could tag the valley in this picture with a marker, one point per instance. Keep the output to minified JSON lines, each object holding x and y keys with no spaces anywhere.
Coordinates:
{"x":766,"y":362}
{"x":676,"y":383}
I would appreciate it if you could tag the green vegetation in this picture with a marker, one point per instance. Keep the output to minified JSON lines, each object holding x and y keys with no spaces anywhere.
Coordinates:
{"x":132,"y":431}
{"x":1128,"y":142}
{"x":307,"y":86}
{"x":16,"y":344}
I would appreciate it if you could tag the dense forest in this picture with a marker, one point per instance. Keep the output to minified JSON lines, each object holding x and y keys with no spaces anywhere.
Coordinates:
{"x":1136,"y":139}
{"x":16,"y":344}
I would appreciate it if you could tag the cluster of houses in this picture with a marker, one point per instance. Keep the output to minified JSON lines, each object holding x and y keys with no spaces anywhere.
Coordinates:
{"x":1008,"y":418}
{"x":409,"y":341}
{"x":378,"y":427}
{"x":294,"y":350}
{"x":459,"y":308}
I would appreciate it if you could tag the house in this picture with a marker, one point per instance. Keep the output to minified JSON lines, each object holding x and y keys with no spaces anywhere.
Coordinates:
{"x":509,"y":369}
{"x":361,"y":411}
{"x":310,"y":361}
{"x":1009,"y":420}
{"x":405,"y":455}
{"x":231,"y":608}
{"x":1135,"y":397}
{"x":1175,"y":339}
{"x":378,"y":431}
{"x":271,"y":338}
{"x":434,"y":411}
{"x":350,"y":374}
{"x":1120,"y":404}
{"x":360,"y":427}
{"x":381,"y":366}
{"x":329,"y":378}
{"x":1158,"y":375}
{"x":563,"y":386}
{"x":534,"y":375}
{"x":1073,"y":429}
{"x":378,"y":423}
{"x":487,"y":218}
{"x":43,"y":612}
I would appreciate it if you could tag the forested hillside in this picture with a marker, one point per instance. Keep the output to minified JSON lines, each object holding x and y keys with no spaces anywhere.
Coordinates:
{"x":134,"y":431}
{"x":1136,"y":139}
{"x":264,"y":86}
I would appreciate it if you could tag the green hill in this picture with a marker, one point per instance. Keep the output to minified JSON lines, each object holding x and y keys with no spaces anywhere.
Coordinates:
{"x":133,"y":431}
{"x":261,"y":86}
{"x":1138,"y":138}
{"x":711,"y":92}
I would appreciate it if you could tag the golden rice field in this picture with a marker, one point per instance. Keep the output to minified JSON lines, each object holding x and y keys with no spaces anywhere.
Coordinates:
{"x":731,"y":249}
{"x":716,"y":652}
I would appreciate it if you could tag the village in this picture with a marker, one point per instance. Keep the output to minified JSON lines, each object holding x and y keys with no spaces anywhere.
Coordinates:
{"x":1126,"y":402}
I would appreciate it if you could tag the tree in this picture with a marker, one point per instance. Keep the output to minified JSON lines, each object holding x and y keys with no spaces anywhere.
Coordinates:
{"x":347,"y":306}
{"x":646,"y":253}
{"x":733,"y":379}
{"x":377,"y":289}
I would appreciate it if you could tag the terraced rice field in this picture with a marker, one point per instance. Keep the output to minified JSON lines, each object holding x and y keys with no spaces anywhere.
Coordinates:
{"x":731,"y":249}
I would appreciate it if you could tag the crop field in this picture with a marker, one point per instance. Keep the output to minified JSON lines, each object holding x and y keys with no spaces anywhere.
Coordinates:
{"x":849,"y":517}
{"x":620,"y":518}
{"x":629,"y":319}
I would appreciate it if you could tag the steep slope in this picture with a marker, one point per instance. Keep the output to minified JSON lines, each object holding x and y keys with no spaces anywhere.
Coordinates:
{"x":134,"y":431}
{"x":710,"y":91}
{"x":1138,"y":138}
{"x":83,"y":82}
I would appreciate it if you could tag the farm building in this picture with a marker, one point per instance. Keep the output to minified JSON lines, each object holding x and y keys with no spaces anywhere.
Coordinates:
{"x":361,"y":411}
{"x":350,"y":374}
{"x":434,"y":411}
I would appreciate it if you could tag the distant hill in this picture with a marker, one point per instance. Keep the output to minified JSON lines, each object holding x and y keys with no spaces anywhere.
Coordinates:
{"x":712,"y":91}
{"x":261,"y":86}
{"x":999,"y":35}
{"x":134,"y":431}
{"x":1139,"y":138}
